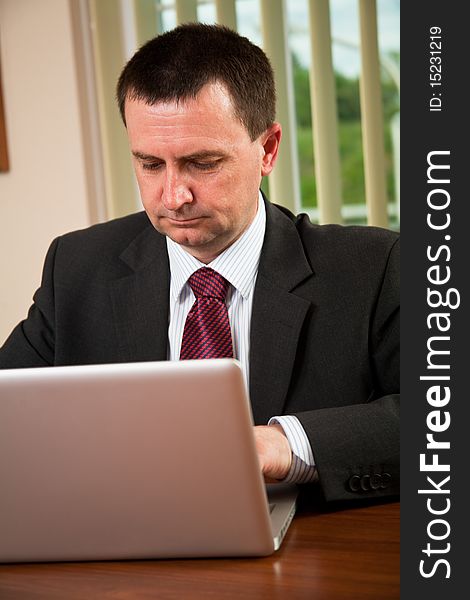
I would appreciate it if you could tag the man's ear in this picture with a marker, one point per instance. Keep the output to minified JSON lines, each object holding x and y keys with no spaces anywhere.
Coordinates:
{"x":270,"y":140}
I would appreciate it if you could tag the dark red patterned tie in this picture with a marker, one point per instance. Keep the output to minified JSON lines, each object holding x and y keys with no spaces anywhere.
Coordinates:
{"x":207,"y":329}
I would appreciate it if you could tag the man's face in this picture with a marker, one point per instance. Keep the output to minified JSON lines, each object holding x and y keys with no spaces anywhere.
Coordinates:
{"x":198,"y":170}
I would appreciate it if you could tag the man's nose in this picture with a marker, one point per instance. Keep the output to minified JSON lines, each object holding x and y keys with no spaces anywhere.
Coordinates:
{"x":176,"y":192}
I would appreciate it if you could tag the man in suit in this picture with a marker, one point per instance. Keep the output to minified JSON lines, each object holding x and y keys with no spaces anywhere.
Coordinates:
{"x":313,"y":310}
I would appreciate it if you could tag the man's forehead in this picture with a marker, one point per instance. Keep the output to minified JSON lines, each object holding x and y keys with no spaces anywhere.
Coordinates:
{"x":205,"y":123}
{"x":212,"y":96}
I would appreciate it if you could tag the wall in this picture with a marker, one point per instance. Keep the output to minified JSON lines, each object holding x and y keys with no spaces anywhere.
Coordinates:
{"x":45,"y":193}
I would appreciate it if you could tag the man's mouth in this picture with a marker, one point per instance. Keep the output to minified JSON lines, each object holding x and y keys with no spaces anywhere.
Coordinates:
{"x":183,"y":222}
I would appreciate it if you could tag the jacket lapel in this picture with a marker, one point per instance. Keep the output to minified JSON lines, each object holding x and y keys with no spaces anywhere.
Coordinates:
{"x":277,"y":315}
{"x":140,"y":303}
{"x":140,"y":299}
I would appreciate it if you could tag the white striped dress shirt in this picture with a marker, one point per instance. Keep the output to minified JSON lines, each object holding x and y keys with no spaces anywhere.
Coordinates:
{"x":239,"y":265}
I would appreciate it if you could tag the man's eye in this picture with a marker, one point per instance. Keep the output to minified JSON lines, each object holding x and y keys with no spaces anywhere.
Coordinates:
{"x":151,"y":166}
{"x":205,"y":166}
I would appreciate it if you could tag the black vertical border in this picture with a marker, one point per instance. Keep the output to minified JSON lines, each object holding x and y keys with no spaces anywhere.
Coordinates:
{"x":424,"y":131}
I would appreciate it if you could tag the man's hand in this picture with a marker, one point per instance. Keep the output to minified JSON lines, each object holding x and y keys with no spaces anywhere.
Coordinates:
{"x":274,"y":452}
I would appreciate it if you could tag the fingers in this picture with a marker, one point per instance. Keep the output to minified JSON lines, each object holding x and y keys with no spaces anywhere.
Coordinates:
{"x":274,"y":452}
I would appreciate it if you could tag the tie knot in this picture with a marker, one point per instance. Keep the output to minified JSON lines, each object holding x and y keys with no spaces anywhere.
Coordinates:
{"x":207,"y":283}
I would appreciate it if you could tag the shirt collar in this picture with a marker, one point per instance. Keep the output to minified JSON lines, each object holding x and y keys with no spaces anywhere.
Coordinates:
{"x":238,"y":263}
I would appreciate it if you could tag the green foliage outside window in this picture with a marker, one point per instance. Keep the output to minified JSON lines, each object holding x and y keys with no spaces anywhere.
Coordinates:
{"x":350,"y":140}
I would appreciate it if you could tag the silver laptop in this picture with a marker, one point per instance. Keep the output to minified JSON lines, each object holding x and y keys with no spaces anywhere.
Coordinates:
{"x":133,"y":461}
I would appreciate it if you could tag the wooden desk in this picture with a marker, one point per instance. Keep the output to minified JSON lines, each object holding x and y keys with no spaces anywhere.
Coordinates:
{"x":347,"y":554}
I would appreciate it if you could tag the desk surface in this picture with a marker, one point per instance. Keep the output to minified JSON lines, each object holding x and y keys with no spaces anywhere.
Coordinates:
{"x":347,"y":554}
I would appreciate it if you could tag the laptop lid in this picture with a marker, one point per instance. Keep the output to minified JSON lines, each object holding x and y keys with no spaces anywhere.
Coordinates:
{"x":127,"y":461}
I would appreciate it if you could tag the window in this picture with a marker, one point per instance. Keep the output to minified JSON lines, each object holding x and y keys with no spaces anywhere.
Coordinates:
{"x":303,"y":187}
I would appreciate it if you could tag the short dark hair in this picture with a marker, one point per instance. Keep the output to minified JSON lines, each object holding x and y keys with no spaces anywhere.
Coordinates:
{"x":179,"y":63}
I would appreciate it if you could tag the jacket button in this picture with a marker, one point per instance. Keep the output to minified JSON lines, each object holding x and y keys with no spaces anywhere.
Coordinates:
{"x":376,"y":481}
{"x":366,"y":483}
{"x":386,"y":479}
{"x":354,"y":483}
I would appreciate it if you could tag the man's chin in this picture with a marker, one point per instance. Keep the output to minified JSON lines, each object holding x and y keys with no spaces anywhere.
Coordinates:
{"x":190,"y":239}
{"x":204,"y":248}
{"x":202,"y":244}
{"x":186,"y":237}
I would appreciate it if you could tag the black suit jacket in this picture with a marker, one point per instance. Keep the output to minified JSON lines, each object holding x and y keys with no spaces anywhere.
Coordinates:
{"x":324,"y":339}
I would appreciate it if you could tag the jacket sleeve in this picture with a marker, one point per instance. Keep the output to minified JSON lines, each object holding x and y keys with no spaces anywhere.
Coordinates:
{"x":31,"y":343}
{"x":357,"y":447}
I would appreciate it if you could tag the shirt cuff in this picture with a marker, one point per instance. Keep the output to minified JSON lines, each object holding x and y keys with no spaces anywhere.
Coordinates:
{"x":303,"y":468}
